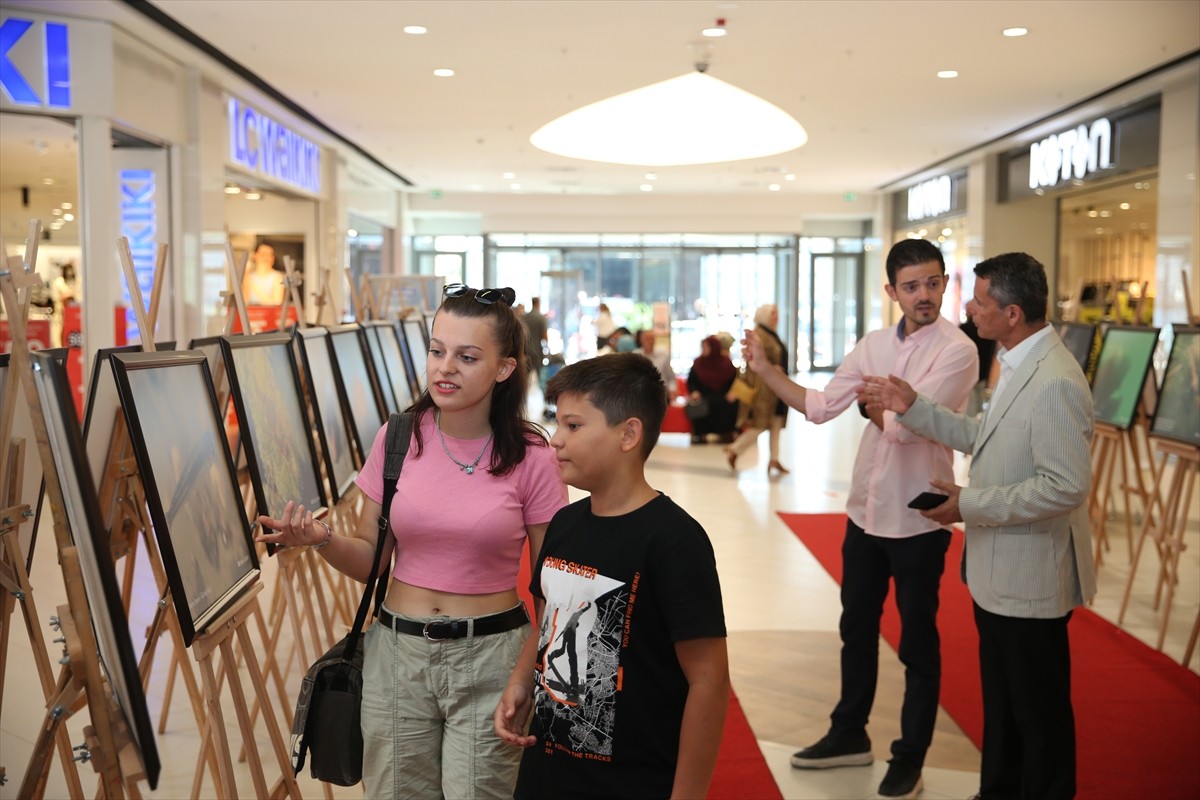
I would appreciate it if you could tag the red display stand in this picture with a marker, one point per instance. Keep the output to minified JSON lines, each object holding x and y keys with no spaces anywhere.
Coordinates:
{"x":36,"y":330}
{"x":264,"y":318}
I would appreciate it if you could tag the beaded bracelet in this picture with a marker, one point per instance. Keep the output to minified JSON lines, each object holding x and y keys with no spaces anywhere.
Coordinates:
{"x":328,"y":535}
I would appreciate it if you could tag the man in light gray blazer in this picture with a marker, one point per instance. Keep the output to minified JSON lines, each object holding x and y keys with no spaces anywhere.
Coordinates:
{"x":1027,"y":555}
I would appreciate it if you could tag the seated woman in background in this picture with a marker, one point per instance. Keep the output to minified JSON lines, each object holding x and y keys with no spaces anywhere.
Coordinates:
{"x":708,"y":380}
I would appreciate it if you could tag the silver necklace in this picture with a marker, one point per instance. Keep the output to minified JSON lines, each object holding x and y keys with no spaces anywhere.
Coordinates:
{"x":467,"y":468}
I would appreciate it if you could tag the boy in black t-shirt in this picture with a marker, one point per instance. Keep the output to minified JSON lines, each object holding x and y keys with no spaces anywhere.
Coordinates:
{"x":628,"y":681}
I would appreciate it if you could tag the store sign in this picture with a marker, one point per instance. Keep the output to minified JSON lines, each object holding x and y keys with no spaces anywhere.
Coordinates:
{"x":1072,"y":154}
{"x":51,"y":72}
{"x":264,"y":146}
{"x":139,"y":224}
{"x":932,"y":198}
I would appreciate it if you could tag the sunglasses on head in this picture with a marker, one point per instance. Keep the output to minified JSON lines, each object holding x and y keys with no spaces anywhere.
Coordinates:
{"x":485,"y":296}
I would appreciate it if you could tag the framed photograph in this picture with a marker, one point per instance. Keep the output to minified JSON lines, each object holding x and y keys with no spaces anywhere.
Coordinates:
{"x":1177,"y":415}
{"x":1080,"y":339}
{"x":1121,"y":373}
{"x":379,"y":358}
{"x":322,"y":378}
{"x":82,"y":518}
{"x":364,"y":411}
{"x":274,"y":426}
{"x":395,"y":362}
{"x":31,"y":467}
{"x":191,"y":487}
{"x":418,"y":349}
{"x":102,"y":418}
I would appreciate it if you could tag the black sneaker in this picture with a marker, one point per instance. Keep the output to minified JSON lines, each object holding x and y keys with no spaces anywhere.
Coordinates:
{"x":852,"y":751}
{"x":903,"y":780}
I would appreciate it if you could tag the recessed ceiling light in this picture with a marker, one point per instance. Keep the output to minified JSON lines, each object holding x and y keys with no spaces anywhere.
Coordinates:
{"x":651,"y":176}
{"x":352,"y":233}
{"x":444,"y":73}
{"x":1125,"y":206}
{"x":233,"y":189}
{"x":791,"y":176}
{"x":647,"y":187}
{"x":48,"y":181}
{"x":1093,"y":213}
{"x":508,"y":176}
{"x":948,"y":73}
{"x":69,"y":217}
{"x":947,"y":231}
{"x":416,"y":30}
{"x":1106,"y":213}
{"x":713,"y":33}
{"x":774,"y":187}
{"x":253,"y":195}
{"x":67,"y":206}
{"x":56,"y":212}
{"x":1013,"y":32}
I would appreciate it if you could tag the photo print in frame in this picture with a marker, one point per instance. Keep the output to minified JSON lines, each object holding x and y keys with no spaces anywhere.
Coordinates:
{"x":396,"y":364}
{"x":1177,"y":416}
{"x":190,"y":483}
{"x":1121,"y":373}
{"x":418,"y":349}
{"x":391,"y":403}
{"x":322,"y":378}
{"x":357,"y":386}
{"x":1079,"y":338}
{"x":82,"y":518}
{"x":276,"y":436}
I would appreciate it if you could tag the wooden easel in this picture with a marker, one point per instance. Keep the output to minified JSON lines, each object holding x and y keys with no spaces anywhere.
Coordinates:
{"x":15,"y":585}
{"x":292,"y":281}
{"x":322,"y":298}
{"x":80,"y":677}
{"x":1165,"y":524}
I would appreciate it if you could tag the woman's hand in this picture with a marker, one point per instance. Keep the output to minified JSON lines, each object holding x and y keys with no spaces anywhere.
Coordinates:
{"x":296,"y":527}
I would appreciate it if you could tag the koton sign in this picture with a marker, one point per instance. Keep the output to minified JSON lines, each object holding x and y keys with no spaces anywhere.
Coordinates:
{"x":931,"y":198}
{"x":1072,"y":154}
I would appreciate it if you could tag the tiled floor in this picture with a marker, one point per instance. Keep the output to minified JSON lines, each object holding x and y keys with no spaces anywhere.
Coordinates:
{"x":781,"y":610}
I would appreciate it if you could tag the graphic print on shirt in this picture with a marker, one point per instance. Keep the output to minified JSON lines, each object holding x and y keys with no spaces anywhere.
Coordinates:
{"x":578,"y":657}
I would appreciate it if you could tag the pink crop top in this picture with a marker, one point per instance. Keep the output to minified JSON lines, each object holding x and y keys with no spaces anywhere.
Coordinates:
{"x":457,"y":532}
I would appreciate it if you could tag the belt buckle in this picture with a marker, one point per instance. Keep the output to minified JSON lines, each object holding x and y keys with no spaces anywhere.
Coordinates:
{"x":425,"y":631}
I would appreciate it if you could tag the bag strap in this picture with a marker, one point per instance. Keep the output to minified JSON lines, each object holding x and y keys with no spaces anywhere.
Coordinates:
{"x":398,"y":436}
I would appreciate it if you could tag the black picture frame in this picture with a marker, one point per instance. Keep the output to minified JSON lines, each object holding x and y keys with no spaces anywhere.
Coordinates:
{"x":1177,"y":415}
{"x":370,"y":329}
{"x":396,"y":363}
{"x":190,"y":484}
{"x":322,"y":378}
{"x":364,"y":409}
{"x":275,"y":434}
{"x":1121,"y":370}
{"x":1080,"y":339}
{"x":82,"y":518}
{"x":417,"y":346}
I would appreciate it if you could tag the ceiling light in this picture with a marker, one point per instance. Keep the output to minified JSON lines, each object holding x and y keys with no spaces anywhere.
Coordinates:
{"x":1093,"y":213}
{"x":67,"y":206}
{"x":444,"y":73}
{"x":716,"y":31}
{"x":774,"y":187}
{"x":651,"y":176}
{"x":415,"y":30}
{"x":947,"y":231}
{"x":1106,"y":213}
{"x":48,"y":181}
{"x":352,"y":233}
{"x":69,"y":217}
{"x":1012,"y":32}
{"x":56,"y":225}
{"x":791,"y":176}
{"x":253,"y":195}
{"x":690,"y":119}
{"x":508,"y":176}
{"x":56,"y":212}
{"x":1125,"y":206}
{"x":232,"y":188}
{"x":948,"y":73}
{"x":647,"y":187}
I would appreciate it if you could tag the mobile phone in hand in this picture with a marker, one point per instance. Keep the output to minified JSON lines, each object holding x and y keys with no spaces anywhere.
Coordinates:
{"x":927,"y":500}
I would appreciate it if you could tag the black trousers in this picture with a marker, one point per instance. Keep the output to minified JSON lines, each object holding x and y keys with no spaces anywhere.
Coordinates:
{"x":1028,"y":722}
{"x":869,"y":564}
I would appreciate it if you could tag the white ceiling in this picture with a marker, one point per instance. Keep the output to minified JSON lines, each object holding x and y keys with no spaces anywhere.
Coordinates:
{"x":860,"y":76}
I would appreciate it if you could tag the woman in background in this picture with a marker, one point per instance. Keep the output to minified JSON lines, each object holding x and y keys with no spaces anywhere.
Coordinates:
{"x":708,"y":381}
{"x":765,"y":411}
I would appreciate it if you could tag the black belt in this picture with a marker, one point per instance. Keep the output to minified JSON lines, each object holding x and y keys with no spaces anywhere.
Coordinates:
{"x":439,"y":629}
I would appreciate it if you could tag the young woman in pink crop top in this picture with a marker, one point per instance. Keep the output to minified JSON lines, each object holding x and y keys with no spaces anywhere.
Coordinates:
{"x":479,"y":480}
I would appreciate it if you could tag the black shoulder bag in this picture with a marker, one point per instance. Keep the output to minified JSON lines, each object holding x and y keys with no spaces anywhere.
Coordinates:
{"x":326,"y":724}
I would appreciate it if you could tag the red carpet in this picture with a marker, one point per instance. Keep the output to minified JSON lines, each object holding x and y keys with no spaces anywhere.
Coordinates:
{"x":741,"y":771}
{"x":1137,"y":712}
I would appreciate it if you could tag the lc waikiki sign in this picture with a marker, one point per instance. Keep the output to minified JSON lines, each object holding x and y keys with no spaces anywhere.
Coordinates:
{"x":267,"y":147}
{"x":51,"y":71}
{"x":1071,"y":154}
{"x":139,"y":224}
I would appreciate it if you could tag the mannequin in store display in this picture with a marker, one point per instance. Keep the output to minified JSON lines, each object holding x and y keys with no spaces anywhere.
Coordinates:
{"x":263,"y":284}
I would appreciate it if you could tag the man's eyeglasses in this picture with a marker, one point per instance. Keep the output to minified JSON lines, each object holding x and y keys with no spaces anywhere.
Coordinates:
{"x":485,"y":296}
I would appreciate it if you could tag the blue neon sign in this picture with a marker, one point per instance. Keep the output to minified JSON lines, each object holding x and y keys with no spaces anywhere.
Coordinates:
{"x":139,"y":224}
{"x":263,"y":145}
{"x":56,"y":66}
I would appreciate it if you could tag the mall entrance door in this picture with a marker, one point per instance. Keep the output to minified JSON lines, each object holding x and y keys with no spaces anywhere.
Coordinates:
{"x":834,"y":309}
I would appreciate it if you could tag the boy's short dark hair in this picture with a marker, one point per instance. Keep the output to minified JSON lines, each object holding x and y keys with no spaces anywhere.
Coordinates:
{"x":621,"y":385}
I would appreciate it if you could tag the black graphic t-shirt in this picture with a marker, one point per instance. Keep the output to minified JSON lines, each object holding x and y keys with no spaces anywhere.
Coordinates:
{"x":609,"y":691}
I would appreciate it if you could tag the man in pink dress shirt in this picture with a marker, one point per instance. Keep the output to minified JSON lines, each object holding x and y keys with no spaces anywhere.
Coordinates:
{"x":886,"y":540}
